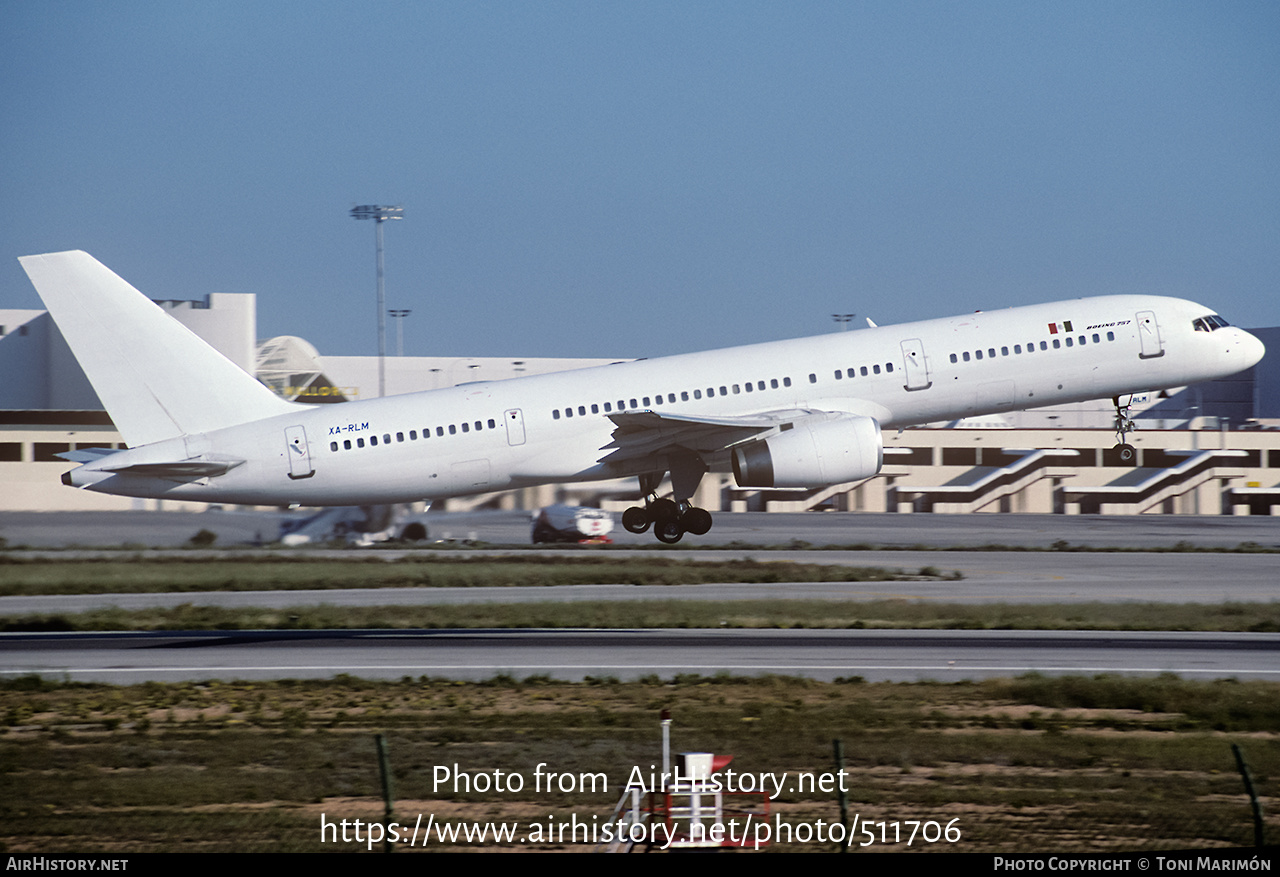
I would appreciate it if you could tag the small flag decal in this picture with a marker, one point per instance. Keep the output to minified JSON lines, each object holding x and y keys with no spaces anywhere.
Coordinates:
{"x":1055,"y":328}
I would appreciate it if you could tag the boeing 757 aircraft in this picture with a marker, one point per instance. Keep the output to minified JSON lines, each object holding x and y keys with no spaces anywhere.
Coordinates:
{"x":802,"y":413}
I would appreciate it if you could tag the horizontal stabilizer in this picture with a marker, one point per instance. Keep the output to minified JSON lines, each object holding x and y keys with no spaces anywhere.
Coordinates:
{"x":179,"y":469}
{"x":156,"y":377}
{"x":86,"y":455}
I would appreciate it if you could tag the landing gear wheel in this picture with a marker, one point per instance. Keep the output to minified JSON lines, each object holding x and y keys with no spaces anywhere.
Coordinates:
{"x":669,"y":532}
{"x":696,"y":521}
{"x":663,"y":510}
{"x":635,"y":520}
{"x":1124,"y":426}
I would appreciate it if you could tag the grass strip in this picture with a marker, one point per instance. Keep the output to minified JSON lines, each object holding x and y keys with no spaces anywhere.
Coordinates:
{"x":178,"y":573}
{"x":1031,"y":764}
{"x":695,"y":614}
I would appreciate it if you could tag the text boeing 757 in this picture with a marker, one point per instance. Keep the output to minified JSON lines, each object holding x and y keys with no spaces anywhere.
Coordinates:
{"x":801,"y":413}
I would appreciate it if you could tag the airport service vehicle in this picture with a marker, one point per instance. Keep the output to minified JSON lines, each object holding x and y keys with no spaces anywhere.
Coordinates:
{"x":785,"y":414}
{"x":355,"y":525}
{"x":571,"y":523}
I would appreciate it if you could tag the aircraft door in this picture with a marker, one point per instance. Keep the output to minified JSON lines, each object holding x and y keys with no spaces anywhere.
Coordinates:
{"x":515,"y":426}
{"x":1149,"y":335}
{"x":295,"y":439}
{"x":916,"y":367}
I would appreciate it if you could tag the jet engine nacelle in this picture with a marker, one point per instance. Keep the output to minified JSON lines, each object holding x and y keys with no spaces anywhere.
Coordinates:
{"x":812,"y":452}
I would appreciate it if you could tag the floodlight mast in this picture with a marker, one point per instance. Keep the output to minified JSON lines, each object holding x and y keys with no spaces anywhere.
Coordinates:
{"x":379,"y":214}
{"x":399,"y":314}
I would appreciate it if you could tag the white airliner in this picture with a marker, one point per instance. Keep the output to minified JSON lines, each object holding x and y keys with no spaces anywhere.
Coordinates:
{"x":802,"y":413}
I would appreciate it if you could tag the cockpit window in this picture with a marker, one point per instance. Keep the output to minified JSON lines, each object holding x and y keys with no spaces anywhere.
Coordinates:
{"x":1211,"y":323}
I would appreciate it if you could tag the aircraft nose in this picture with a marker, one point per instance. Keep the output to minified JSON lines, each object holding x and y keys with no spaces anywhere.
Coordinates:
{"x":1251,"y":349}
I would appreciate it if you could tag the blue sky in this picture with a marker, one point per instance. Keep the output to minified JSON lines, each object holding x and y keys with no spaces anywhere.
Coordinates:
{"x":635,"y":179}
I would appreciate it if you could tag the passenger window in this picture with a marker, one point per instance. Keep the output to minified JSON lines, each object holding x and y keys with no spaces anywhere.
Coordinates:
{"x":346,"y":444}
{"x":1017,"y":348}
{"x":582,"y":410}
{"x":1069,"y":344}
{"x":465,"y":428}
{"x":991,"y":352}
{"x":333,"y":446}
{"x":813,"y":379}
{"x":633,"y":404}
{"x":760,"y":385}
{"x":750,"y":388}
{"x":786,"y":382}
{"x":607,"y":407}
{"x":876,"y":369}
{"x":413,"y":435}
{"x":724,"y":391}
{"x":697,"y":394}
{"x":440,"y":430}
{"x":736,"y":391}
{"x":1056,"y":344}
{"x":864,"y":371}
{"x":684,"y":395}
{"x":386,"y":438}
{"x":453,"y":429}
{"x":888,"y":366}
{"x":839,"y":374}
{"x":955,"y":358}
{"x":1111,"y":336}
{"x":373,"y":441}
{"x":977,"y":354}
{"x":493,"y":424}
{"x":399,"y":436}
{"x":360,"y":443}
{"x":1004,"y":351}
{"x":595,"y":409}
{"x":966,"y":356}
{"x":1096,"y":339}
{"x":646,"y":401}
{"x":479,"y":426}
{"x":1044,"y":345}
{"x":555,"y":414}
{"x":853,"y":372}
{"x":568,"y":412}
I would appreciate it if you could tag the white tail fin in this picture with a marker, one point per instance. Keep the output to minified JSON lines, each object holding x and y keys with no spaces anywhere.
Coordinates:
{"x":157,"y":378}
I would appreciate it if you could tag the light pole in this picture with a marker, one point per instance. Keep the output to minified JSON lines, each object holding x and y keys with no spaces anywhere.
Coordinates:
{"x":379,"y":214}
{"x":399,"y":314}
{"x":843,"y":320}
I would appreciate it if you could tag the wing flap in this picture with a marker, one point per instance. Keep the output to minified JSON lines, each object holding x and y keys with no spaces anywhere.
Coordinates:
{"x":639,"y":434}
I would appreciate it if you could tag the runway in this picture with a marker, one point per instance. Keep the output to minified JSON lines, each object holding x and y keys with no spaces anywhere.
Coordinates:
{"x":887,"y":531}
{"x":988,"y":576}
{"x":574,"y":655}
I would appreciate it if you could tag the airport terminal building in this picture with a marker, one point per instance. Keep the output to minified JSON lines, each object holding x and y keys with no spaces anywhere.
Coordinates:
{"x":1207,"y":449}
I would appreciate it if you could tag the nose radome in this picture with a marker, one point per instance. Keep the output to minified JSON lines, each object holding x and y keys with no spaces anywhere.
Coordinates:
{"x":1251,"y":349}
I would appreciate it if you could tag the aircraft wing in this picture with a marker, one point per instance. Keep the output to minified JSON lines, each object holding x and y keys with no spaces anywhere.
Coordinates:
{"x":640,"y":434}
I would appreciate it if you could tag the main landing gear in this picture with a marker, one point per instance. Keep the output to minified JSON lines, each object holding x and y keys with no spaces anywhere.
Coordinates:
{"x":1124,"y":425}
{"x":670,"y":519}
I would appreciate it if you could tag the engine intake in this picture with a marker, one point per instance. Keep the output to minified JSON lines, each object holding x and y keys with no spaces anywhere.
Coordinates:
{"x":814,"y":452}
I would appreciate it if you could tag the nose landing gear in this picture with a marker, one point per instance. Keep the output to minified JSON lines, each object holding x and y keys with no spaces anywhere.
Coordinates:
{"x":1124,"y":425}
